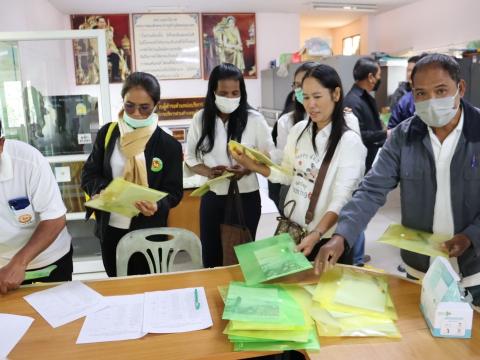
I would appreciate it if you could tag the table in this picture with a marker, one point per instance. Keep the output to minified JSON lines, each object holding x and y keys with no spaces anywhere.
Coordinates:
{"x":44,"y":342}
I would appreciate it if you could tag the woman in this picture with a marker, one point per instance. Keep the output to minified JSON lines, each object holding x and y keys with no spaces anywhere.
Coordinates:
{"x":140,"y":152}
{"x":324,"y":136}
{"x":226,"y":116}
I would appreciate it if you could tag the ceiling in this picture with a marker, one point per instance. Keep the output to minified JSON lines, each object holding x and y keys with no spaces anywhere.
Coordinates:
{"x":313,"y":18}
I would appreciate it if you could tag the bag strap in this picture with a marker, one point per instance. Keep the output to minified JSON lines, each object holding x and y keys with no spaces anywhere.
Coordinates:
{"x":294,"y":203}
{"x":108,"y":136}
{"x":317,"y":188}
{"x":234,"y":201}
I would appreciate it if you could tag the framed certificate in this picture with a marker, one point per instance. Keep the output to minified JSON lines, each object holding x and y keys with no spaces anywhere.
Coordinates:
{"x":168,"y":45}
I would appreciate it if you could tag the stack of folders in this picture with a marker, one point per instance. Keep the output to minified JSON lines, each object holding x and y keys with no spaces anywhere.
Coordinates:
{"x":353,"y":302}
{"x":269,"y":317}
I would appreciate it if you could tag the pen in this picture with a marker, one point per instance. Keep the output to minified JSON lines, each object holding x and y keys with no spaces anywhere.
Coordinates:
{"x":197,"y":303}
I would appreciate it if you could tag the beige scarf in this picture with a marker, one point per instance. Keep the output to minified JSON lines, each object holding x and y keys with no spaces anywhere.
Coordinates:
{"x":132,"y":146}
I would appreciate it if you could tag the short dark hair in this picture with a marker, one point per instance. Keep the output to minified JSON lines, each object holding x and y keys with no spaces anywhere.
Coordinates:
{"x":446,"y":62}
{"x":416,"y":58}
{"x":364,"y":66}
{"x":146,"y":81}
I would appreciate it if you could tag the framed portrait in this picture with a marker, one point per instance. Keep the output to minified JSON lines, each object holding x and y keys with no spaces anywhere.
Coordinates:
{"x":230,"y":38}
{"x":119,"y":51}
{"x":168,"y":45}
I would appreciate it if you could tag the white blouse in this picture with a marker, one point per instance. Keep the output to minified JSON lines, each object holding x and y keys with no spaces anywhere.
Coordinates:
{"x":256,"y":135}
{"x":346,"y":169}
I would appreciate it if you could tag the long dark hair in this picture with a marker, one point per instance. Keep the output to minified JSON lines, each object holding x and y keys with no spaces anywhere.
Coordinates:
{"x":328,"y":77}
{"x":237,"y":120}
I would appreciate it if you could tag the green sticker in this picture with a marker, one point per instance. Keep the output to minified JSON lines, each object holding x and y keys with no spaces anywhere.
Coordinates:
{"x":157,"y":164}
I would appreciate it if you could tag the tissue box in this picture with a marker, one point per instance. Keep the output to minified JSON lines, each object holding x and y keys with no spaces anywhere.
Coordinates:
{"x":445,"y":312}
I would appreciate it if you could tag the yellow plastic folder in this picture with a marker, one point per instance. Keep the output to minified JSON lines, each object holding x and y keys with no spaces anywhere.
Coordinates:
{"x":254,"y":154}
{"x":348,"y":290}
{"x":120,"y":197}
{"x":202,"y":190}
{"x":420,"y":242}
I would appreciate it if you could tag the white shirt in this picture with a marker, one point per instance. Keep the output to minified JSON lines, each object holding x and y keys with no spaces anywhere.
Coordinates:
{"x":443,"y":154}
{"x":24,"y":172}
{"x":117,"y":162}
{"x":256,"y":135}
{"x":285,"y":123}
{"x":343,"y":176}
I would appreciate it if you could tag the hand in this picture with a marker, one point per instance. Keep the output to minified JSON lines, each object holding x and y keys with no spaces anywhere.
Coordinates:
{"x":216,"y":171}
{"x":244,"y":160}
{"x":389,"y":133}
{"x":457,"y":245}
{"x":239,"y":171}
{"x":308,"y":242}
{"x":147,"y":208}
{"x":11,"y":276}
{"x":329,"y":254}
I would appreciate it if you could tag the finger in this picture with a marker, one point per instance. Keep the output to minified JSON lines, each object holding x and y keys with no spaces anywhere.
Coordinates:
{"x":320,"y":259}
{"x":454,"y":251}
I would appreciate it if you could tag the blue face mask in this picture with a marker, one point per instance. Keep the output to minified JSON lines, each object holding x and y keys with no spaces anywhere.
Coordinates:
{"x":299,"y":95}
{"x":135,"y":123}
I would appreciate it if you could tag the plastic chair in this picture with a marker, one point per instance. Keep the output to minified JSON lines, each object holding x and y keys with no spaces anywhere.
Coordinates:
{"x":158,"y":261}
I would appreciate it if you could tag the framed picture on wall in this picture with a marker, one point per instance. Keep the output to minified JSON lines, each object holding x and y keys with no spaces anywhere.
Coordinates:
{"x":85,"y":52}
{"x":168,"y":45}
{"x":230,"y":38}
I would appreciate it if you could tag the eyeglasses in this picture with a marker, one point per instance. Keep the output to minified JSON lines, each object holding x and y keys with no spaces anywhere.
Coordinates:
{"x":143,"y":109}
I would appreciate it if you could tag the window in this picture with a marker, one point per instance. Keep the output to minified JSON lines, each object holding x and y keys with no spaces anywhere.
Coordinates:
{"x":351,"y":45}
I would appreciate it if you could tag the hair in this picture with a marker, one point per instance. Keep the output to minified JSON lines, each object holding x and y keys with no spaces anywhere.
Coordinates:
{"x":299,"y":109}
{"x":237,"y":119}
{"x":364,"y":66}
{"x":446,"y":62}
{"x":328,"y":78}
{"x":146,"y":81}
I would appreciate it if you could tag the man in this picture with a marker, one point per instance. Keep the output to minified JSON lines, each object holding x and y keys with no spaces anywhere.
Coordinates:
{"x":32,"y":217}
{"x":402,"y":105}
{"x":435,"y":156}
{"x":367,"y":76}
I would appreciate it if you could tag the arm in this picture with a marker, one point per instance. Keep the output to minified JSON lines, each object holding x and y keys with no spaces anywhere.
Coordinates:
{"x":369,"y":137}
{"x":13,"y":274}
{"x":396,"y":116}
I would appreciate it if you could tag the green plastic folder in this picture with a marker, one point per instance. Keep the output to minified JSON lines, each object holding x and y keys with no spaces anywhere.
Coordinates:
{"x":202,"y":190}
{"x":270,"y":258}
{"x":120,"y":197}
{"x":311,"y":344}
{"x":254,"y":154}
{"x":262,"y":304}
{"x":39,"y":274}
{"x":420,"y":242}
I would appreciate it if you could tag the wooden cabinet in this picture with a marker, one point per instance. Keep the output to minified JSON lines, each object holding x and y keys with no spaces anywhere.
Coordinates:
{"x":186,"y":214}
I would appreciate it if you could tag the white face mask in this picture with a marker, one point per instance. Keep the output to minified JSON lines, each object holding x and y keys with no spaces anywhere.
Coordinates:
{"x":227,"y":105}
{"x":437,"y":112}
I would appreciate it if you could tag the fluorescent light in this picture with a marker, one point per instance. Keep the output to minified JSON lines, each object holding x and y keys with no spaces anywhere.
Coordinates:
{"x":166,"y":9}
{"x":336,"y":6}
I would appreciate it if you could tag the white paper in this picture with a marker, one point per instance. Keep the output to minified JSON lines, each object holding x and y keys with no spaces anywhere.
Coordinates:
{"x":62,"y":174}
{"x":65,"y":303}
{"x":174,"y":311}
{"x":84,"y":139}
{"x":12,"y":329}
{"x":122,"y":319}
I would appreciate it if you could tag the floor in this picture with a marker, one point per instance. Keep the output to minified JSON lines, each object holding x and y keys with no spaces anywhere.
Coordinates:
{"x":383,"y":256}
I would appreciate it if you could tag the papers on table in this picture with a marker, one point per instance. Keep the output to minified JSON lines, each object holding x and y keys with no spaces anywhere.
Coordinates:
{"x":173,"y":311}
{"x":202,"y":190}
{"x":65,"y":303}
{"x":254,"y":154}
{"x":420,"y":242}
{"x":120,"y":197}
{"x":122,"y":319}
{"x":12,"y":329}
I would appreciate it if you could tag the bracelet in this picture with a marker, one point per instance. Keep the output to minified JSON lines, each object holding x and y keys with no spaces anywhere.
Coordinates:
{"x":315,"y":231}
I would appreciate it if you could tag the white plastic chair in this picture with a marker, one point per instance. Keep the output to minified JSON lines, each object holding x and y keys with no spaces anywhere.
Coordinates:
{"x":136,"y":241}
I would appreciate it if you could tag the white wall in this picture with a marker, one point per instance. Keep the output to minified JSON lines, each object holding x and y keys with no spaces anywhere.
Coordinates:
{"x":276,"y":33}
{"x":427,"y":25}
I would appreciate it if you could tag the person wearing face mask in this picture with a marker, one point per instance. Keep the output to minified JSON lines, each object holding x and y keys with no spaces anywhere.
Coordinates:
{"x":435,"y":156}
{"x":226,"y":116}
{"x":367,"y":76}
{"x":138,"y":150}
{"x":322,"y":146}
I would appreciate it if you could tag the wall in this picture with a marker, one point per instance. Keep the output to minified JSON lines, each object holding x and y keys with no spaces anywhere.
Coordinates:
{"x":308,"y":32}
{"x":360,"y":27}
{"x":427,"y":25}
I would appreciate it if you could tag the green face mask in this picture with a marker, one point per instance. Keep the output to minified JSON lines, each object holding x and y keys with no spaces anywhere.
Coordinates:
{"x":299,"y":95}
{"x":135,"y":123}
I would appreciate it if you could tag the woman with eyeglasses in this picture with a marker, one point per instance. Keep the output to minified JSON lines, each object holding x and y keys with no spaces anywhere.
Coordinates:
{"x":138,"y":150}
{"x":226,"y":116}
